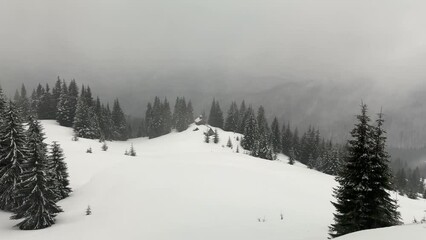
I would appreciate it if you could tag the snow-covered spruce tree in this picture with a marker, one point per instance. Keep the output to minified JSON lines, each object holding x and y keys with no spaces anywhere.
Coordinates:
{"x":311,"y":162}
{"x":13,"y":153}
{"x":56,"y":93}
{"x":73,"y":99}
{"x":216,"y":136}
{"x":86,"y":122}
{"x":231,"y":122}
{"x":216,"y":115}
{"x":362,"y":197}
{"x":36,"y":197}
{"x":132,"y":151}
{"x":241,"y":117}
{"x":262,"y":123}
{"x":59,"y":171}
{"x":2,"y":105}
{"x":229,"y":143}
{"x":119,"y":122}
{"x":276,"y":136}
{"x":156,"y":120}
{"x":295,"y":144}
{"x":63,"y":111}
{"x":81,"y":119}
{"x":286,"y":139}
{"x":189,"y":113}
{"x":182,"y":115}
{"x":148,"y":118}
{"x":88,"y":211}
{"x":380,"y":201}
{"x":106,"y":123}
{"x":250,"y":131}
{"x":166,"y":115}
{"x":22,"y":102}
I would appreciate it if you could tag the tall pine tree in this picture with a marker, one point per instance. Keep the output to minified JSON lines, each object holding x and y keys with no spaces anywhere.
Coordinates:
{"x":12,"y":156}
{"x":362,"y":200}
{"x":37,"y":199}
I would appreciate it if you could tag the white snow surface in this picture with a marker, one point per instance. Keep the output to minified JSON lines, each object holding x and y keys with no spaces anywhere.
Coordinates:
{"x":178,"y":187}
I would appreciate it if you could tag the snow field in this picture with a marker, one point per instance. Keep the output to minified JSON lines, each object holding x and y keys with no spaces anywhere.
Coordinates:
{"x":178,"y":187}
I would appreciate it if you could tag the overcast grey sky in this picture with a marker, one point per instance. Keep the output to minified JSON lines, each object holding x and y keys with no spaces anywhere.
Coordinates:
{"x":193,"y":47}
{"x":131,"y":40}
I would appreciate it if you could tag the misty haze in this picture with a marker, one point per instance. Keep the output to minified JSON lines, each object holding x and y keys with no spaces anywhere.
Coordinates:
{"x":237,"y":119}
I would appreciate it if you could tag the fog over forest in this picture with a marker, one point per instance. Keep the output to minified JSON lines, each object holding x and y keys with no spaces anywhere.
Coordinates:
{"x":308,"y":62}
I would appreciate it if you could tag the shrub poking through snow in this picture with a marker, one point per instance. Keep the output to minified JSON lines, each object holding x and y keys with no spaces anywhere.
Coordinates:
{"x":132,"y":151}
{"x":216,"y":136}
{"x":74,"y":138}
{"x":88,"y":211}
{"x":229,"y":143}
{"x":126,"y":153}
{"x":104,"y":147}
{"x":89,"y":150}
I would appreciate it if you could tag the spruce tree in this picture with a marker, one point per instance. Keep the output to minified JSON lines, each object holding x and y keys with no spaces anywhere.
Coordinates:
{"x":189,"y":113}
{"x":286,"y":139}
{"x":73,"y":99}
{"x":381,"y":205}
{"x":231,"y":122}
{"x":229,"y":143}
{"x":216,"y":136}
{"x":13,"y":154}
{"x":105,"y":122}
{"x":180,"y":119}
{"x":59,"y":171}
{"x":166,"y":115}
{"x":362,"y":197}
{"x":23,"y":103}
{"x":216,"y":115}
{"x":81,"y":119}
{"x":132,"y":151}
{"x":250,"y":131}
{"x":86,"y":122}
{"x":62,"y":110}
{"x":56,"y":94}
{"x":156,"y":122}
{"x":241,"y":117}
{"x":276,"y":136}
{"x":37,"y":199}
{"x":148,"y":118}
{"x":295,"y":144}
{"x":119,"y":129}
{"x":141,"y":128}
{"x":262,"y":123}
{"x":2,"y":106}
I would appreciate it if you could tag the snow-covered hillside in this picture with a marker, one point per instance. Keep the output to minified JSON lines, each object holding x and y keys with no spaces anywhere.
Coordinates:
{"x":178,"y":187}
{"x":411,"y":231}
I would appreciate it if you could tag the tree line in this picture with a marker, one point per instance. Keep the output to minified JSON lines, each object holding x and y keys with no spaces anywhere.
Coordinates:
{"x":71,"y":107}
{"x":266,"y":141}
{"x":410,"y":182}
{"x":33,"y":175}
